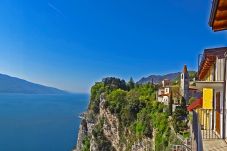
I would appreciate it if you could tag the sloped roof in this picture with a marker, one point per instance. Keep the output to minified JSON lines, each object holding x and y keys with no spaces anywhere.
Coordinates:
{"x":218,"y":15}
{"x":185,"y":70}
{"x":209,"y":58}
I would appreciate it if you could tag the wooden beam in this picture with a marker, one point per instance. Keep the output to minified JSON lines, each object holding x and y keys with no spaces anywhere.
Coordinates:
{"x":221,"y":15}
{"x":222,"y":8}
{"x":222,"y":3}
{"x":220,"y":28}
{"x":220,"y":24}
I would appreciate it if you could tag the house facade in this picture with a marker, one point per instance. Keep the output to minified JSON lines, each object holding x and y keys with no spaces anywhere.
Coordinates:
{"x":211,"y":81}
{"x":163,"y":94}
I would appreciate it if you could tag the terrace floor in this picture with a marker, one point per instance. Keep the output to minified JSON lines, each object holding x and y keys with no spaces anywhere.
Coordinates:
{"x":211,"y":142}
{"x":214,"y":145}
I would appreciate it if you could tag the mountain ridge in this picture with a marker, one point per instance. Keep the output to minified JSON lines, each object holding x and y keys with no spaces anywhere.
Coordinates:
{"x":156,"y":79}
{"x":10,"y":84}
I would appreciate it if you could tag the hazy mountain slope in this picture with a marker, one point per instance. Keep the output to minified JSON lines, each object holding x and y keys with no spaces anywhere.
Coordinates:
{"x":10,"y":84}
{"x":159,"y":78}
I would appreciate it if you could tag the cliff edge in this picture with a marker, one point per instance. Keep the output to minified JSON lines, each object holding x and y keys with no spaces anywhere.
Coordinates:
{"x":123,"y":117}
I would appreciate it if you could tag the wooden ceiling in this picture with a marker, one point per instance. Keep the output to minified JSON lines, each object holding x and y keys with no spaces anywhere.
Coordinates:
{"x":209,"y":58}
{"x":206,"y":65}
{"x":218,"y":17}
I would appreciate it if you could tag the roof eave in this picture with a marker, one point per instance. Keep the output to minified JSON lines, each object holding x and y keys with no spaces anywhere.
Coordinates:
{"x":213,"y":12}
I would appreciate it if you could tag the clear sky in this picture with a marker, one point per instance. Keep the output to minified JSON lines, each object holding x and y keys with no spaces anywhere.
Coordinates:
{"x":70,"y":44}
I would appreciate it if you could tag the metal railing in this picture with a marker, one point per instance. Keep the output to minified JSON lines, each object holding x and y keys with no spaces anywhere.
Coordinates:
{"x":208,"y":123}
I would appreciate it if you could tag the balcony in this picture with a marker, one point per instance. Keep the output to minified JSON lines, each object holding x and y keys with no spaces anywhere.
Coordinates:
{"x":205,"y":133}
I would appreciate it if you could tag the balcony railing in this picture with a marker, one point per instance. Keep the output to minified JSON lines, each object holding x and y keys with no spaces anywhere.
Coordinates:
{"x":197,"y":143}
{"x":210,"y":123}
{"x":206,"y":125}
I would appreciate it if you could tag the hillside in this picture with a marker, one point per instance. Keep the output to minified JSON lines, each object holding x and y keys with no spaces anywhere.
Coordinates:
{"x":158,"y":78}
{"x":10,"y":84}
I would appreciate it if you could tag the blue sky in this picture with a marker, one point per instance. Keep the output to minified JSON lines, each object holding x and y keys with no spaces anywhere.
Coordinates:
{"x":71,"y":44}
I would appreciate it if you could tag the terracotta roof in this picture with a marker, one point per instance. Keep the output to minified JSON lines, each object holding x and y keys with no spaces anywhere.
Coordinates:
{"x":209,"y":58}
{"x":218,"y":15}
{"x":185,"y":70}
{"x":196,"y":104}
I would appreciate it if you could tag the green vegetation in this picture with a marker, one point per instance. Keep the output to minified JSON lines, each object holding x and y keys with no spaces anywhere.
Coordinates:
{"x":191,"y":100}
{"x":86,"y":144}
{"x":180,"y":118}
{"x":137,"y":110}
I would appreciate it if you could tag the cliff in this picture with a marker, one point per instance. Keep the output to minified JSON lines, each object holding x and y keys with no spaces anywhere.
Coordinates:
{"x":111,"y":134}
{"x":124,"y":117}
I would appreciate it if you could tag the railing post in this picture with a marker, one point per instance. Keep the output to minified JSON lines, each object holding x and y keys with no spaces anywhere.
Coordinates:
{"x":197,"y":131}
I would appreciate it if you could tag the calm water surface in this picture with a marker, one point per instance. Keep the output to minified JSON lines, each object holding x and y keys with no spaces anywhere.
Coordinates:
{"x":40,"y":122}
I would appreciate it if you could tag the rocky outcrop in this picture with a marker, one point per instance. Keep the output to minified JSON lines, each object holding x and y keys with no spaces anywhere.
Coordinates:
{"x":110,"y":126}
{"x":83,"y":131}
{"x":142,"y":145}
{"x":111,"y":131}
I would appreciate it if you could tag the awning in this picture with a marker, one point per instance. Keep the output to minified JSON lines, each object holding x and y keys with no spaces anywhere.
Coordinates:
{"x":196,"y":104}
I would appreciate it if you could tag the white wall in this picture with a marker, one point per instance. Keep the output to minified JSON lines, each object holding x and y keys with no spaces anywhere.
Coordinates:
{"x":219,"y":71}
{"x":167,"y":90}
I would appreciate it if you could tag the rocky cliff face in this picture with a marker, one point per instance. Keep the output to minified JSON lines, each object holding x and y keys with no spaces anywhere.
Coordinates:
{"x":103,"y":133}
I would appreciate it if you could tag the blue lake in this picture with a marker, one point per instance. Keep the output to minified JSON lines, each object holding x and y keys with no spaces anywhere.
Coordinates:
{"x":40,"y":122}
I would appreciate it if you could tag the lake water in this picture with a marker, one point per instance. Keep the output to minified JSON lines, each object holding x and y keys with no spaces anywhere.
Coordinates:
{"x":40,"y":122}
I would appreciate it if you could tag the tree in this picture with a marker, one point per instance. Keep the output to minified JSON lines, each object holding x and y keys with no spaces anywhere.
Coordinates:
{"x":113,"y":83}
{"x":183,"y":103}
{"x":171,"y":103}
{"x":131,"y":84}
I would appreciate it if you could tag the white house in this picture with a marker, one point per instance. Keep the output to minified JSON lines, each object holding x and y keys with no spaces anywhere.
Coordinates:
{"x":164,"y":92}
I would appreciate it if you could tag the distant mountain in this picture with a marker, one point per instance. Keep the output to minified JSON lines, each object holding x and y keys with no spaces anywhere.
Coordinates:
{"x":10,"y":84}
{"x":158,"y":78}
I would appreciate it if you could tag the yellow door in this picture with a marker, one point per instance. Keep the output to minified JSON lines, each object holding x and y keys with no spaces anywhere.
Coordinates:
{"x":207,"y":98}
{"x":207,"y":106}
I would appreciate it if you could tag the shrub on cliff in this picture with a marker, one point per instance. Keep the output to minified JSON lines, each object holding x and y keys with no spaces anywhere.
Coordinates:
{"x":86,"y":144}
{"x":112,"y":83}
{"x":116,"y":101}
{"x":96,"y":91}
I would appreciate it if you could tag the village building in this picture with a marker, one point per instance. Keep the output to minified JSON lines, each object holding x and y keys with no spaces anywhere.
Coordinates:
{"x":210,"y":109}
{"x":188,"y":91}
{"x":209,"y":125}
{"x":184,"y":90}
{"x":163,"y":94}
{"x":184,"y":85}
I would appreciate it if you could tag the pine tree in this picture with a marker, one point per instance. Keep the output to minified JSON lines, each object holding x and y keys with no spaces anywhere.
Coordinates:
{"x":171,"y":103}
{"x":131,"y":84}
